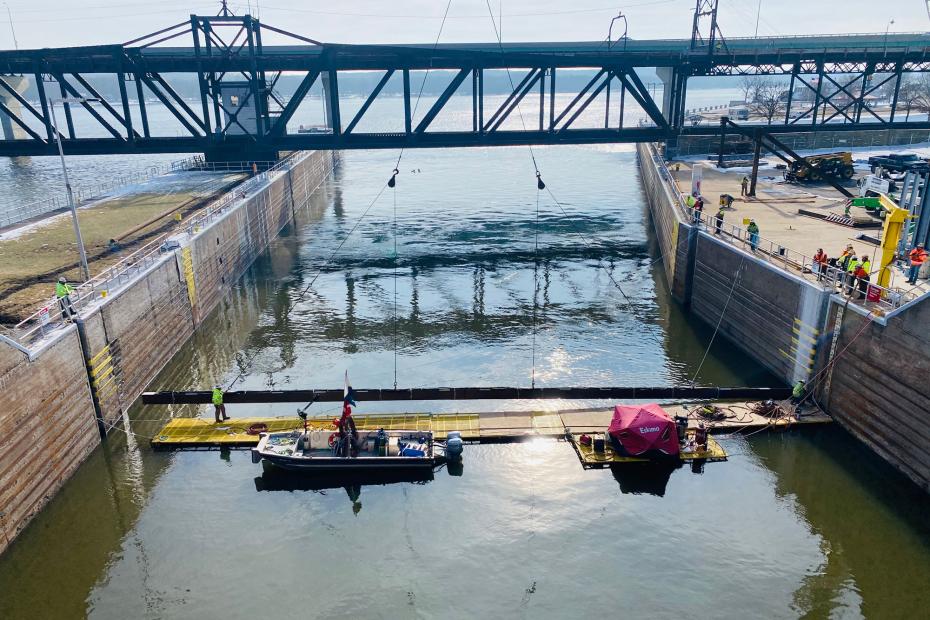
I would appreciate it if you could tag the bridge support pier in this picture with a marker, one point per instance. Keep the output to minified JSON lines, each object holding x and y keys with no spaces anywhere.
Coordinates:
{"x":674,"y":87}
{"x":12,"y":131}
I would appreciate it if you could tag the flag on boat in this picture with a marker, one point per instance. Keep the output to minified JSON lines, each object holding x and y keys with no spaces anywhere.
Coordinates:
{"x":348,"y":394}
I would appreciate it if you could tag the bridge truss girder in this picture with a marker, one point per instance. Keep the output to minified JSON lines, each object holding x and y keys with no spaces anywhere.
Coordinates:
{"x":240,"y":115}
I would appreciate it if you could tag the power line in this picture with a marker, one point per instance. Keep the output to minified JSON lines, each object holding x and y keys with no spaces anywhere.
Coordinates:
{"x":416,"y":104}
{"x":599,"y":9}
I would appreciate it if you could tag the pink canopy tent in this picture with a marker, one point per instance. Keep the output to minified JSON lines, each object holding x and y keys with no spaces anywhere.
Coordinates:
{"x":639,"y":429}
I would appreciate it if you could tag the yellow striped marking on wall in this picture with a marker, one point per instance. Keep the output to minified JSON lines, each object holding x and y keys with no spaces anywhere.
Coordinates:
{"x":187,"y":261}
{"x":102,"y":373}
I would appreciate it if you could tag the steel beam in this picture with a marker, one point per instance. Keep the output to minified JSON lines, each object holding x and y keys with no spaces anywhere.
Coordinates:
{"x":469,"y":393}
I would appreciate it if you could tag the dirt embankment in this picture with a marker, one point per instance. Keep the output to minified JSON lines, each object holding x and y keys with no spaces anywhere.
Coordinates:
{"x":32,"y":259}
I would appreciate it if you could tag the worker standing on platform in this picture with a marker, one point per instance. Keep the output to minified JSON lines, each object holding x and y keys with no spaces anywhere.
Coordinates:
{"x":917,"y":257}
{"x":698,"y":210}
{"x":841,"y":264}
{"x":744,"y":186}
{"x":798,"y":394}
{"x":753,"y":230}
{"x":718,"y":221}
{"x":863,"y":271}
{"x":851,"y":267}
{"x":218,"y":406}
{"x":63,"y":293}
{"x":819,"y":265}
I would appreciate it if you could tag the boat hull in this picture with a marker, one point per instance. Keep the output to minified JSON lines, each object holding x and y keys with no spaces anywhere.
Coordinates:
{"x":370,"y":464}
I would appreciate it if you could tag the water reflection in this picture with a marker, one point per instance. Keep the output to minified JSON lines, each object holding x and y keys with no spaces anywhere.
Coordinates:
{"x":276,"y":479}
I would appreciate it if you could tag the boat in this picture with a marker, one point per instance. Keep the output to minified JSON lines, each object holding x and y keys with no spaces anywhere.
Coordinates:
{"x":375,"y":451}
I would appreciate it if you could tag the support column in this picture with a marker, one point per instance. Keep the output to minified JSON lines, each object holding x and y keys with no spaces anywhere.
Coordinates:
{"x":756,"y":153}
{"x":12,"y":131}
{"x":669,"y":78}
{"x":327,"y":102}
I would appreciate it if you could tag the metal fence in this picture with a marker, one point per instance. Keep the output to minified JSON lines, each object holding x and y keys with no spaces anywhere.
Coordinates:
{"x":86,"y":193}
{"x":827,"y":277}
{"x":109,"y":281}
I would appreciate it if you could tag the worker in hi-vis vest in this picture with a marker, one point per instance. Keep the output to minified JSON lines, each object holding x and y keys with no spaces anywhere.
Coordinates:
{"x":218,"y":406}
{"x":63,"y":293}
{"x":851,"y":267}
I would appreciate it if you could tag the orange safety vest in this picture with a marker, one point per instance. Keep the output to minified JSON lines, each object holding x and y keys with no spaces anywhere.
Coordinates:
{"x":918,"y":256}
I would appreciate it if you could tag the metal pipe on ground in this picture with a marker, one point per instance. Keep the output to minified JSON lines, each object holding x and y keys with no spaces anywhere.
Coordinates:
{"x":203,"y":397}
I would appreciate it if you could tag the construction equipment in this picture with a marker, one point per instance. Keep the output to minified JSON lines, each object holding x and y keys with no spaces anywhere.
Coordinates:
{"x":895,"y":217}
{"x":820,"y":167}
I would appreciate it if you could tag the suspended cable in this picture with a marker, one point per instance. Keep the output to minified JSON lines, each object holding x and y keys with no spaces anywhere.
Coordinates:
{"x":251,"y":359}
{"x":416,"y":104}
{"x":513,"y":88}
{"x":395,"y":287}
{"x":587,"y":243}
{"x":535,"y":286}
{"x":719,"y":320}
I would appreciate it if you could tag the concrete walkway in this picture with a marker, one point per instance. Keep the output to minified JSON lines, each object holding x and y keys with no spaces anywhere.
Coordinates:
{"x":775,"y":210}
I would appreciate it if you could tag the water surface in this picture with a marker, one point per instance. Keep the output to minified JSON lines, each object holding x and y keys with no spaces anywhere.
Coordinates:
{"x":804,"y":524}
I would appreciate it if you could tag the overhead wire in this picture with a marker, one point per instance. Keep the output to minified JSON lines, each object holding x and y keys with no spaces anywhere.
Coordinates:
{"x":599,"y":9}
{"x":391,"y":183}
{"x":395,"y":287}
{"x":736,"y":277}
{"x":413,"y":113}
{"x":535,"y":288}
{"x":251,"y":359}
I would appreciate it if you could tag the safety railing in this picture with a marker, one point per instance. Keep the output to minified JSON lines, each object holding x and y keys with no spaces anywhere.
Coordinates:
{"x":798,"y":263}
{"x":10,"y":215}
{"x":52,"y":313}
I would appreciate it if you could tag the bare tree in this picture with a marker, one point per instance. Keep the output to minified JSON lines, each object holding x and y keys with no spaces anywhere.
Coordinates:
{"x":749,"y":84}
{"x":768,"y":100}
{"x":908,"y":96}
{"x":922,"y":94}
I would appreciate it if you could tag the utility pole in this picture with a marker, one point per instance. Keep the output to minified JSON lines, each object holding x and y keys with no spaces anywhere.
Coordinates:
{"x":12,"y":30}
{"x":759,"y":14}
{"x":64,"y":171}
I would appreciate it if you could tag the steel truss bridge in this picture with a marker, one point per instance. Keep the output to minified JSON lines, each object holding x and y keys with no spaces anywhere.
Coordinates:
{"x":238,"y":112}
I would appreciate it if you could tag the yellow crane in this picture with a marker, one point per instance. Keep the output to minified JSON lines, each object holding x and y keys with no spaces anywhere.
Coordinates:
{"x":895,"y":218}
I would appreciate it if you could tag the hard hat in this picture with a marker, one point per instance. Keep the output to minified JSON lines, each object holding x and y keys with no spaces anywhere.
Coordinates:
{"x":62,"y":279}
{"x":217,"y":387}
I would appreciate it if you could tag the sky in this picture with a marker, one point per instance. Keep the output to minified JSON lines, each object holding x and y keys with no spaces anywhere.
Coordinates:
{"x":55,"y":23}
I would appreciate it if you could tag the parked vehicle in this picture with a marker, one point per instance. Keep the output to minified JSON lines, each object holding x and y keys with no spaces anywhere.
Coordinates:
{"x":899,"y":162}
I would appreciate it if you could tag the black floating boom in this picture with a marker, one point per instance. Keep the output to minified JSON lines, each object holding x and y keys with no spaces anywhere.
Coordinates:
{"x":471,"y":393}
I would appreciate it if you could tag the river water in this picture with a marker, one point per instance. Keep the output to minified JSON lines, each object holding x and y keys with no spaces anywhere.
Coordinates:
{"x":803,"y":524}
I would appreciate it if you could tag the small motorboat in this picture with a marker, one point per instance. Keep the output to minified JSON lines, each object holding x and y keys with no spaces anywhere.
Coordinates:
{"x":374,"y":451}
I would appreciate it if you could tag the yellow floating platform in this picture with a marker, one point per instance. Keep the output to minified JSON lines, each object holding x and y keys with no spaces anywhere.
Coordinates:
{"x":491,"y":426}
{"x":240,"y":432}
{"x":589,"y":458}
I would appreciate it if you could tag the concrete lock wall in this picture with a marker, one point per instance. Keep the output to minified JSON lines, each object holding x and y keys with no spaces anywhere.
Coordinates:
{"x":49,"y":405}
{"x":869,"y":372}
{"x":47,"y":427}
{"x":772,"y":316}
{"x":878,"y":384}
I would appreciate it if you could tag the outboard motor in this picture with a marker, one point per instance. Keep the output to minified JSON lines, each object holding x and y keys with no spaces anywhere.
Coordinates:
{"x":681,"y":423}
{"x":454,"y":446}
